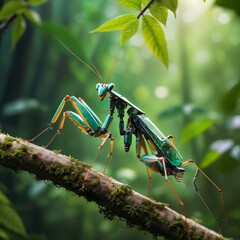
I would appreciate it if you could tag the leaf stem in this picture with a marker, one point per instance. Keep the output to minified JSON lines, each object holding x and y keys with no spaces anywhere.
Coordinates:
{"x":144,"y":9}
{"x":6,"y":23}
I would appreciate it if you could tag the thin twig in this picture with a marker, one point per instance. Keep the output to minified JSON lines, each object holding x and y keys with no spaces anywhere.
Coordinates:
{"x":4,"y":25}
{"x":144,"y":9}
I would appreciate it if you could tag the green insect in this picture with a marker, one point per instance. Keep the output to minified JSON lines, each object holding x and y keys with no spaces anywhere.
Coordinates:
{"x":164,"y":157}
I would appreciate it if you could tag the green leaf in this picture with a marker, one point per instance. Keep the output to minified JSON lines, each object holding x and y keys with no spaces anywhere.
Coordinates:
{"x":3,"y":199}
{"x":196,"y":128}
{"x":115,"y":24}
{"x":19,"y":27}
{"x":230,"y":98}
{"x":172,"y":5}
{"x":159,"y":11}
{"x":131,"y":4}
{"x":10,"y":8}
{"x":211,"y":157}
{"x":36,"y":2}
{"x":4,"y":235}
{"x":10,"y":221}
{"x":155,"y":38}
{"x":231,"y":4}
{"x":171,"y":111}
{"x":33,"y":16}
{"x":129,"y":30}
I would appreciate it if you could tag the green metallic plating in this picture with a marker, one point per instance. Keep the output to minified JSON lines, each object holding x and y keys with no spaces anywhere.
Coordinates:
{"x":78,"y":119}
{"x":107,"y":122}
{"x":161,"y":142}
{"x":88,"y":114}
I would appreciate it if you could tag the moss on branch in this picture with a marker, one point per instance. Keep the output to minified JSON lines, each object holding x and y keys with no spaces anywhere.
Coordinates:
{"x":113,"y":198}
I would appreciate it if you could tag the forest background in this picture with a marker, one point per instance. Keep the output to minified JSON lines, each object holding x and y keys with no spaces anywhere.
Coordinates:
{"x":196,"y":99}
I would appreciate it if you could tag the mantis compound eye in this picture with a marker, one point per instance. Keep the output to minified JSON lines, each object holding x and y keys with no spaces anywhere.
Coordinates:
{"x":98,"y":85}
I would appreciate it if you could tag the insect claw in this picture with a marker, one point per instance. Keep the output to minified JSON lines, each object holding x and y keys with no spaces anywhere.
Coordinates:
{"x":50,"y":127}
{"x":85,"y":180}
{"x":83,"y":186}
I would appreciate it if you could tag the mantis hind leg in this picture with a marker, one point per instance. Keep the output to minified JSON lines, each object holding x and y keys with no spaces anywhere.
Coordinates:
{"x":176,"y":194}
{"x":154,"y":163}
{"x":198,"y":169}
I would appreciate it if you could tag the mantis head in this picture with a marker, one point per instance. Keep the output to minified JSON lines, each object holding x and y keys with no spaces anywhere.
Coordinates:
{"x":103,"y":89}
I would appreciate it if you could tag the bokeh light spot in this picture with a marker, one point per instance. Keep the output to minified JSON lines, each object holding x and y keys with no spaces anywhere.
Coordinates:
{"x":161,"y":92}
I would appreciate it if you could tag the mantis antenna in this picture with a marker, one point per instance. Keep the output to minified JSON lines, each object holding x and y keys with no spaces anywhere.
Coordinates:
{"x":113,"y":65}
{"x":93,"y":69}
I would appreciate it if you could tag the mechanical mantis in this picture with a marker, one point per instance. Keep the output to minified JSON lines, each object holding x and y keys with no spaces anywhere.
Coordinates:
{"x":163,"y":158}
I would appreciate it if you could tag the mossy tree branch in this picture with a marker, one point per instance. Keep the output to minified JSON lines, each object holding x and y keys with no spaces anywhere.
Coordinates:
{"x":113,"y":198}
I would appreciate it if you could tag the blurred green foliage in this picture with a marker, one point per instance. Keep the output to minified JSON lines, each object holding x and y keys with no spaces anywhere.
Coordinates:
{"x":11,"y":226}
{"x":197,"y":99}
{"x":230,"y":4}
{"x":16,"y":12}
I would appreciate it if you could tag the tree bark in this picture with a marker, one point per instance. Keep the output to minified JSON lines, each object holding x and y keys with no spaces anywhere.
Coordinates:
{"x":113,"y":198}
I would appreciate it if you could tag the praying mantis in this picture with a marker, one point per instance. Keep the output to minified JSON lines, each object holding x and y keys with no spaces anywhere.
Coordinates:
{"x":155,"y":150}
